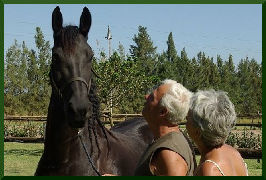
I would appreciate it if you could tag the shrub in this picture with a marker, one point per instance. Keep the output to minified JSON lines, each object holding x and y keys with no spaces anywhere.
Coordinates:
{"x":246,"y":139}
{"x":24,"y":129}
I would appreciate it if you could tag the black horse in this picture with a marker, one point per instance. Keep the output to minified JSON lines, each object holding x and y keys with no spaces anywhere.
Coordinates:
{"x":76,"y":143}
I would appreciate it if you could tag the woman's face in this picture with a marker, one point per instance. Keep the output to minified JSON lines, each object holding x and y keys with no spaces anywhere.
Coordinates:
{"x":191,"y":129}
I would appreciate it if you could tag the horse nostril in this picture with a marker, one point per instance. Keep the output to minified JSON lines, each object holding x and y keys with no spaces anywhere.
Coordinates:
{"x":83,"y":113}
{"x":71,"y":111}
{"x":70,"y":105}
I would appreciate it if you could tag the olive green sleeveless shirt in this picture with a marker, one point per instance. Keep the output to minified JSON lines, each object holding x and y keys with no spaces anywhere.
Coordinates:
{"x":174,"y":141}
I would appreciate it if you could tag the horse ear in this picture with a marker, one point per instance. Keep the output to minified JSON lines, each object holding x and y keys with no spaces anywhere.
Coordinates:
{"x":57,"y":20}
{"x":85,"y":22}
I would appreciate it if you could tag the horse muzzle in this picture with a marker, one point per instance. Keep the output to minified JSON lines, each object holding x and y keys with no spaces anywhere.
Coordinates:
{"x":77,"y":113}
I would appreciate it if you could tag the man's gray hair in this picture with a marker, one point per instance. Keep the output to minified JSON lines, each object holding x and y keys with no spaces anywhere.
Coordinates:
{"x":214,"y":114}
{"x":176,"y":100}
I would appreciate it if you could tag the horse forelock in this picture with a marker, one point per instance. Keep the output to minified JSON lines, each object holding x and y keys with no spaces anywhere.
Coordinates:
{"x":69,"y":35}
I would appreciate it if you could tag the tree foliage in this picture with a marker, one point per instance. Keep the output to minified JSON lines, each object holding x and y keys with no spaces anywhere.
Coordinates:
{"x":26,"y":82}
{"x":121,"y":85}
{"x":124,"y":79}
{"x":143,"y":52}
{"x":171,"y":51}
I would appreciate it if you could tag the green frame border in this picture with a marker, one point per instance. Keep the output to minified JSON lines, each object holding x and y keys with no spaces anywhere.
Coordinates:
{"x":2,"y":2}
{"x":2,"y":89}
{"x":133,"y":2}
{"x":263,"y":84}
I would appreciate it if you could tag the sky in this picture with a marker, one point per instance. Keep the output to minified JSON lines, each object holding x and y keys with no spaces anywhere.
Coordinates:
{"x":225,"y":29}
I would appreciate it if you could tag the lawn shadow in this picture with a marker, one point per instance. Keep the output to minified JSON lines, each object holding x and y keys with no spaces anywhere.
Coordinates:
{"x":21,"y":152}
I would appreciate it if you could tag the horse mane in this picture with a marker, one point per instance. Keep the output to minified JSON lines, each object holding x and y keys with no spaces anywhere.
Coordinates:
{"x":68,"y":36}
{"x":95,"y":117}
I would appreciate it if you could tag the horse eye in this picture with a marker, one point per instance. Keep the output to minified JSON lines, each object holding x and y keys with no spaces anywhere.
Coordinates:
{"x":89,"y":55}
{"x":55,"y":57}
{"x":58,"y":76}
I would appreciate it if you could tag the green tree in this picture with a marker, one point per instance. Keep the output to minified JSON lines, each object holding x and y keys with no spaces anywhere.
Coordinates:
{"x":229,"y":81}
{"x":171,"y":51}
{"x":144,"y":48}
{"x":165,"y":68}
{"x":167,"y":64}
{"x":193,"y":76}
{"x":220,"y":64}
{"x":121,"y":51}
{"x":121,"y":85}
{"x":184,"y":68}
{"x":144,"y":53}
{"x":32,"y":100}
{"x":250,"y":82}
{"x":103,"y":56}
{"x":227,"y":72}
{"x":215,"y":78}
{"x":15,"y":79}
{"x":244,"y":81}
{"x":43,"y":58}
{"x":26,"y":83}
{"x":256,"y":83}
{"x":203,"y":71}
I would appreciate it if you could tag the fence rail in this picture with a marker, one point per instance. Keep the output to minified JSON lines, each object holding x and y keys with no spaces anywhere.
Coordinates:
{"x":107,"y":118}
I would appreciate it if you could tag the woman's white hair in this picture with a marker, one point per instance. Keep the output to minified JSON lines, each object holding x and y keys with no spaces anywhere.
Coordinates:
{"x":214,"y":114}
{"x":176,"y":100}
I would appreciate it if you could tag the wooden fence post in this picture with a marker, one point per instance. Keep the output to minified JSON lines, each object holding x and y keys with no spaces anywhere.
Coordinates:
{"x":111,"y":120}
{"x":44,"y":130}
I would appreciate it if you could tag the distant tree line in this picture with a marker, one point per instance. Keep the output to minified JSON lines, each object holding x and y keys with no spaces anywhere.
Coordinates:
{"x":26,"y":80}
{"x":125,"y":78}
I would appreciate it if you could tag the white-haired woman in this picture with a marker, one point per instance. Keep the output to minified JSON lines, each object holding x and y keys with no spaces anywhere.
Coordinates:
{"x":210,"y":119}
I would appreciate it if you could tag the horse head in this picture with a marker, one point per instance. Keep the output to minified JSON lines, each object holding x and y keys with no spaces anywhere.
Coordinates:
{"x":70,"y":73}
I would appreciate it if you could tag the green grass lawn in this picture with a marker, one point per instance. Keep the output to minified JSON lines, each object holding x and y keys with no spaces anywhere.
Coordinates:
{"x":21,"y":159}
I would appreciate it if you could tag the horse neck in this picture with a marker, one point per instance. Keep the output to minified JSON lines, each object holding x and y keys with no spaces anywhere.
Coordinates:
{"x":58,"y":135}
{"x":60,"y":138}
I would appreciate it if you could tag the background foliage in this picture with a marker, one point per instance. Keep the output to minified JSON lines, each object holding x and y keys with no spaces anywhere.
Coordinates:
{"x":124,"y":79}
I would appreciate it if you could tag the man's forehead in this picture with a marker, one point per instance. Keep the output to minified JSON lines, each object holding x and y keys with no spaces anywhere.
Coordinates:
{"x":162,"y":89}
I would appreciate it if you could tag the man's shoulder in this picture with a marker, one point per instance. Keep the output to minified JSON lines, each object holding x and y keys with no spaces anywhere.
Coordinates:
{"x":168,"y":154}
{"x":170,"y":161}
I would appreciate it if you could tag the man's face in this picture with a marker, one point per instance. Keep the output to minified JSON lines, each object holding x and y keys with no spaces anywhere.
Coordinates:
{"x":151,"y":110}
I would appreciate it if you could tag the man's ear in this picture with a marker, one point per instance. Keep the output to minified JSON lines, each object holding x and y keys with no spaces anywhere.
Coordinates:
{"x":163,"y":111}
